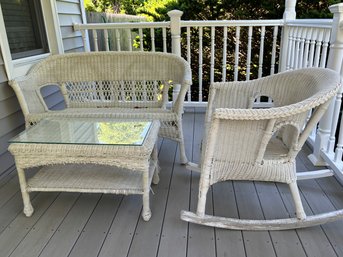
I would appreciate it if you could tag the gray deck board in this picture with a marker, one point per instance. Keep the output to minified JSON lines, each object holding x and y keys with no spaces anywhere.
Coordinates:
{"x":286,"y":243}
{"x":313,"y":239}
{"x":174,"y":231}
{"x":11,"y":237}
{"x":63,"y":240}
{"x":199,"y":235}
{"x":147,"y":235}
{"x":97,"y":227}
{"x":10,"y":210}
{"x":229,"y":242}
{"x":9,"y":190}
{"x":35,"y":240}
{"x":257,"y":243}
{"x":81,"y":225}
{"x":123,"y":227}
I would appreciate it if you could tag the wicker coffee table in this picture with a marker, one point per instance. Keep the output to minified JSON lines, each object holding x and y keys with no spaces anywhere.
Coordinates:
{"x":87,"y":155}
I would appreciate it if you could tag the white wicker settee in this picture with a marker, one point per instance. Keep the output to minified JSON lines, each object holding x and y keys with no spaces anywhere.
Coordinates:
{"x":109,"y":85}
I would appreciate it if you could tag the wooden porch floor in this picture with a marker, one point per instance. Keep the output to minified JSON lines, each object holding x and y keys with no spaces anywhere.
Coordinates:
{"x":82,"y":225}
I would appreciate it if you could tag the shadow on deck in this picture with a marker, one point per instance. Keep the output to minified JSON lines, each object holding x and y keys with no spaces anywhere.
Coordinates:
{"x":73,"y":224}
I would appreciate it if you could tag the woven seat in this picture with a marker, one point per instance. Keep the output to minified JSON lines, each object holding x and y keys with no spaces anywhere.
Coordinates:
{"x":245,"y":143}
{"x":110,"y":85}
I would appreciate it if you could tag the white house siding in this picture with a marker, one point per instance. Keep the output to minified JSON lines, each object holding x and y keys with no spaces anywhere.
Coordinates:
{"x":11,"y":116}
{"x":11,"y":119}
{"x":69,"y":12}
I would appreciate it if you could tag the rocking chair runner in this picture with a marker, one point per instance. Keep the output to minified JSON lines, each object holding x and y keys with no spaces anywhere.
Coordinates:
{"x":243,"y":143}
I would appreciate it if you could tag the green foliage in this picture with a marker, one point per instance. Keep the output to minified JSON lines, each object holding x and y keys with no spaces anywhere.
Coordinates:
{"x":314,"y":9}
{"x":156,"y":10}
{"x":122,"y":132}
{"x":112,"y":6}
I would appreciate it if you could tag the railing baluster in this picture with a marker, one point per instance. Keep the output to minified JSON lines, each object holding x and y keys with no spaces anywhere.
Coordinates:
{"x":164,"y":37}
{"x":152,"y":35}
{"x":189,"y":45}
{"x":275,"y":34}
{"x":95,"y":40}
{"x":260,"y":62}
{"x":312,"y":47}
{"x":295,"y":34}
{"x":84,"y":39}
{"x":130,"y":42}
{"x":224,"y":54}
{"x":118,"y":39}
{"x":200,"y":63}
{"x":107,"y":48}
{"x":307,"y":47}
{"x":290,"y":48}
{"x":238,"y":32}
{"x":302,"y":46}
{"x":249,"y":53}
{"x":339,"y":146}
{"x":325,"y":48}
{"x":296,"y":49}
{"x":335,"y":118}
{"x":140,"y":32}
{"x":318,"y":48}
{"x":213,"y":31}
{"x":189,"y":93}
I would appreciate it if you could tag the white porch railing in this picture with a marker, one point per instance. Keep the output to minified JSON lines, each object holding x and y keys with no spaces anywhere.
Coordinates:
{"x":247,"y":49}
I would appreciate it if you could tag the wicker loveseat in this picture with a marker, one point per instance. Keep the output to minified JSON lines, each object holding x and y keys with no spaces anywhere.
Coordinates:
{"x":109,"y":85}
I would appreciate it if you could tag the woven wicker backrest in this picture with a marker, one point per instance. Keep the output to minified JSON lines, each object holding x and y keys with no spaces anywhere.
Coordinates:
{"x":112,"y":66}
{"x":237,"y":133}
{"x":106,"y":79}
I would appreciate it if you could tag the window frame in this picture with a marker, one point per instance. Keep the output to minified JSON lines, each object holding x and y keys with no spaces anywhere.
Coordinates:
{"x":19,"y":67}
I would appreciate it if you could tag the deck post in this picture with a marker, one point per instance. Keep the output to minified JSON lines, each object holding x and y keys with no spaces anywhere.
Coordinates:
{"x":335,"y":63}
{"x":175,"y":30}
{"x":289,"y":14}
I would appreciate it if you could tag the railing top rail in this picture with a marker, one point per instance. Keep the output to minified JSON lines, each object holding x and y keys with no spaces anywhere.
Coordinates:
{"x":318,"y":23}
{"x":227,"y":23}
{"x":123,"y":25}
{"x":315,"y":23}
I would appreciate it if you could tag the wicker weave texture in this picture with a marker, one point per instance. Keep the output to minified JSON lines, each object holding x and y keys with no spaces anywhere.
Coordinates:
{"x":110,"y":85}
{"x":245,"y":143}
{"x":261,"y":144}
{"x":96,"y":168}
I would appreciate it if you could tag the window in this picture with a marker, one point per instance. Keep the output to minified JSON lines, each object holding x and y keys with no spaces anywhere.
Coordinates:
{"x":24,"y":27}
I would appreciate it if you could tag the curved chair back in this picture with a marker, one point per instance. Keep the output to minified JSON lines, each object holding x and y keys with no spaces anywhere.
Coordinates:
{"x":262,"y":138}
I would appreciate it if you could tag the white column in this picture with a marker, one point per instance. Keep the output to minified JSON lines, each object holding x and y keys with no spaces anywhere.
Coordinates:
{"x":289,"y":14}
{"x":175,"y":30}
{"x":334,"y":63}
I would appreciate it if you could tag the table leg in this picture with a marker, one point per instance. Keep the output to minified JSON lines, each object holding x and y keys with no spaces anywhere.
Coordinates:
{"x":146,"y":214}
{"x":154,"y":156}
{"x":28,"y":209}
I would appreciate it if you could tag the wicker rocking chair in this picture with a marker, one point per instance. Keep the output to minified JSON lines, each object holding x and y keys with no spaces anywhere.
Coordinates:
{"x":246,"y":143}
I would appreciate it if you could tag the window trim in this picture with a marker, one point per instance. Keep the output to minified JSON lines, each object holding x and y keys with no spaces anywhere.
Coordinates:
{"x":19,"y":67}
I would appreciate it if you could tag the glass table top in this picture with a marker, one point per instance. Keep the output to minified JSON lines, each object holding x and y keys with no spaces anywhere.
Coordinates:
{"x":85,"y":132}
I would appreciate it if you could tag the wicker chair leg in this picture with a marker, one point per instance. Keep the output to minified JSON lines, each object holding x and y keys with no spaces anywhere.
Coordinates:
{"x":202,"y":199}
{"x":183,"y":157}
{"x":301,"y":215}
